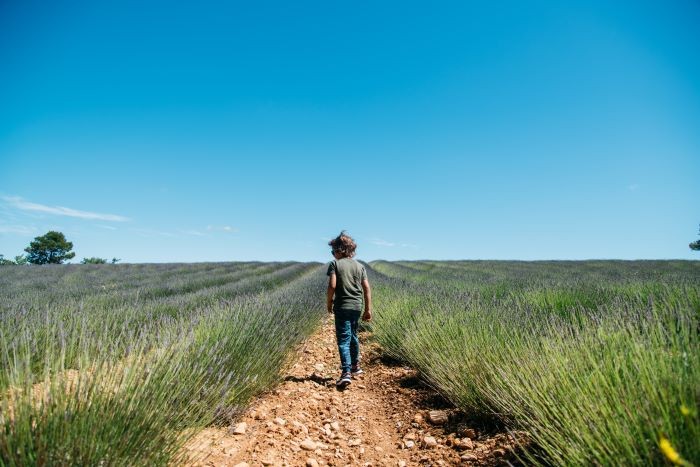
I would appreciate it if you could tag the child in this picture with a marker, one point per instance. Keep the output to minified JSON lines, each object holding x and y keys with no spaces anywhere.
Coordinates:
{"x":348,"y":295}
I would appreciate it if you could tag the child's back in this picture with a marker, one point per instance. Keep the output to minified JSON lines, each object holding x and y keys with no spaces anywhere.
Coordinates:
{"x":348,"y":289}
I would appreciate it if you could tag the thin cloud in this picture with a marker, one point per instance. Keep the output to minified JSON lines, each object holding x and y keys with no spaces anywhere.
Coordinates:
{"x":17,"y":229}
{"x":196,"y":233}
{"x":380,"y":242}
{"x":24,"y":205}
{"x":222,"y":228}
{"x":150,"y":233}
{"x":108,"y":227}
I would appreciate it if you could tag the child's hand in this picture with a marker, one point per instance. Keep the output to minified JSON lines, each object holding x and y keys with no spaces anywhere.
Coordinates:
{"x":367,"y":316}
{"x":330,"y":309}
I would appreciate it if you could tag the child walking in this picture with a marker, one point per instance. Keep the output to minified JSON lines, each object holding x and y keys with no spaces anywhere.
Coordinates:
{"x":348,"y":295}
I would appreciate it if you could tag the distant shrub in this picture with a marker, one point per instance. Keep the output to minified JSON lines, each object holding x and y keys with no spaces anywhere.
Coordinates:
{"x":93,"y":260}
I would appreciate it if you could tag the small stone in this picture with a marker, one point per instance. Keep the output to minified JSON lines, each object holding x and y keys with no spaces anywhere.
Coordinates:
{"x":319,"y":367}
{"x":470,"y":433}
{"x":437,"y":417}
{"x":418,"y":418}
{"x":240,"y":428}
{"x":401,"y":463}
{"x":409,"y":444}
{"x":466,"y":443}
{"x":410,"y":435}
{"x":311,"y":462}
{"x":378,"y":448}
{"x":267,"y":462}
{"x":260,"y":415}
{"x":468,"y":458}
{"x":300,"y":427}
{"x":499,"y":452}
{"x":429,"y":442}
{"x":242,"y":464}
{"x":280,"y":421}
{"x":335,"y":426}
{"x":354,"y":442}
{"x":308,"y":445}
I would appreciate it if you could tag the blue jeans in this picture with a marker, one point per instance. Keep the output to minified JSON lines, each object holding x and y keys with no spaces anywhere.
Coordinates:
{"x":346,"y":322}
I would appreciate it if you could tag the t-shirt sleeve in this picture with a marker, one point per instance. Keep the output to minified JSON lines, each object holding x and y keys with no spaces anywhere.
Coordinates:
{"x":363,"y":274}
{"x":331,"y":268}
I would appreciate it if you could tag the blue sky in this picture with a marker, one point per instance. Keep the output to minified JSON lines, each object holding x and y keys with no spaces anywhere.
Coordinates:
{"x":217,"y":131}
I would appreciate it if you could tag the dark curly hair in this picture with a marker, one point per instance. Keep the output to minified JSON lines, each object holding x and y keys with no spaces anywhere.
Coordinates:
{"x":343,"y":244}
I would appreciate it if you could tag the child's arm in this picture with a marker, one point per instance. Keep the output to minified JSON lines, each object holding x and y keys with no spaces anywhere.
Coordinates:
{"x":330,"y":293}
{"x":368,"y":300}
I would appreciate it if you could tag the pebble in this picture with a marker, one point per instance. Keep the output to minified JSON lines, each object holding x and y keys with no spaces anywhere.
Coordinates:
{"x":437,"y":417}
{"x":240,"y":428}
{"x":466,"y":443}
{"x":242,"y":464}
{"x":300,"y":427}
{"x":308,"y":445}
{"x":280,"y":421}
{"x":311,"y":462}
{"x":409,"y":444}
{"x":430,"y":442}
{"x":469,"y":457}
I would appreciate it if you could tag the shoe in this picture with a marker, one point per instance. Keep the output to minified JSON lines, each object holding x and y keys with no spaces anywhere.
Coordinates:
{"x":356,"y":371}
{"x":344,"y":380}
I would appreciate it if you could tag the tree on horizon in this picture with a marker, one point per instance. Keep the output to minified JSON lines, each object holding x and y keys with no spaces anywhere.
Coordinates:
{"x":695,"y":245}
{"x":51,"y":248}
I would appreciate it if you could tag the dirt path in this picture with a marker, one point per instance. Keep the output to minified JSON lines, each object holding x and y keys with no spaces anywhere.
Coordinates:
{"x":382,"y":418}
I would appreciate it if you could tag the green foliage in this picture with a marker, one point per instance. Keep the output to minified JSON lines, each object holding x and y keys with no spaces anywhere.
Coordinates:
{"x":51,"y":248}
{"x":597,"y":361}
{"x":695,"y":245}
{"x":128,"y":376}
{"x":93,"y":260}
{"x":115,"y":260}
{"x":21,"y":259}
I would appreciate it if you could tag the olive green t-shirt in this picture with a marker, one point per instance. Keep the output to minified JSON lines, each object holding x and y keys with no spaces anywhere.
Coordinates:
{"x":349,"y":275}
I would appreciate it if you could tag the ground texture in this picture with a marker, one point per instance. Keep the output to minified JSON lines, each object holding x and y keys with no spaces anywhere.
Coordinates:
{"x":385,"y":417}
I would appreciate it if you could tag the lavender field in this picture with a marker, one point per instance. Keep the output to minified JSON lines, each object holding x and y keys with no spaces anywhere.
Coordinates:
{"x":596,"y":362}
{"x":122,"y":364}
{"x":593,"y":362}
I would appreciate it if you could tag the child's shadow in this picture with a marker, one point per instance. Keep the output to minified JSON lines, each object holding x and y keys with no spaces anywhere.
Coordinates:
{"x":318,"y":379}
